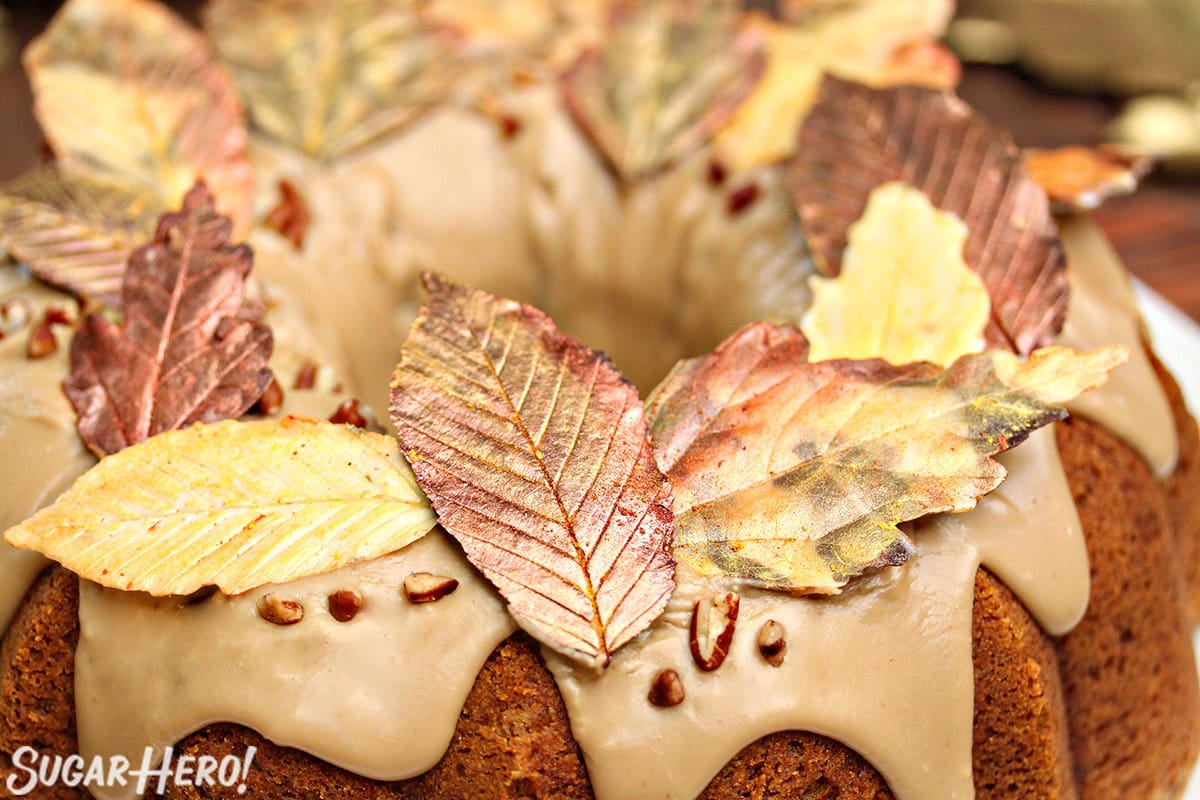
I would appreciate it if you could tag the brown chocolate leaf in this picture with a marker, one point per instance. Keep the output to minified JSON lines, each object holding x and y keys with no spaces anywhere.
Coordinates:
{"x":129,"y":94}
{"x":74,"y":233}
{"x":328,"y":78}
{"x":670,"y":75}
{"x":1081,"y":178}
{"x":794,"y":475}
{"x":182,"y":356}
{"x":857,"y":138}
{"x":535,"y":455}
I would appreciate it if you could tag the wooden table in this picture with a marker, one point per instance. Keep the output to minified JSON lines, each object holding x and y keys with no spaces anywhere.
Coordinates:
{"x":1156,"y":231}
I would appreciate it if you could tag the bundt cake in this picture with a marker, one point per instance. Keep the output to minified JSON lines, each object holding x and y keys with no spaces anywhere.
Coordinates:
{"x":791,"y":571}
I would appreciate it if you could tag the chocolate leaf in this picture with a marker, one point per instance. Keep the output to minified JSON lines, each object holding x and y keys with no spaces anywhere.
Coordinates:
{"x":878,"y":42}
{"x":793,"y":475}
{"x":669,"y":75}
{"x":1081,"y":178}
{"x":328,"y":78}
{"x":904,"y":293}
{"x":235,"y":505}
{"x":857,"y":138}
{"x":129,"y":94}
{"x":181,"y":356}
{"x":74,"y":233}
{"x":535,"y":454}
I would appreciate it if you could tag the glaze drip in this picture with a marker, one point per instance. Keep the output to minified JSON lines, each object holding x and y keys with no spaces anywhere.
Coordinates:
{"x":149,"y":672}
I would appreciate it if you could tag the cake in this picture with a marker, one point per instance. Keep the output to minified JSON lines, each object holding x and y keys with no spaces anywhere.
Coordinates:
{"x":1037,"y":646}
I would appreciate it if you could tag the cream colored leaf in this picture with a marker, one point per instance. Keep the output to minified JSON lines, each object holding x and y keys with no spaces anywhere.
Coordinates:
{"x":129,"y":94}
{"x":904,"y":293}
{"x":864,"y":41}
{"x":329,"y":76}
{"x":234,"y":505}
{"x":794,"y":475}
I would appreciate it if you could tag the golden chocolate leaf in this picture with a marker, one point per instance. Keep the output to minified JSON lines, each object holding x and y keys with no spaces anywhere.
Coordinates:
{"x":535,"y":454}
{"x":329,"y":77}
{"x":1081,"y":178}
{"x":234,"y":505}
{"x":668,"y":77}
{"x":880,"y":42}
{"x":129,"y":94}
{"x":74,"y":233}
{"x":904,"y":293}
{"x":793,"y":475}
{"x":857,"y":138}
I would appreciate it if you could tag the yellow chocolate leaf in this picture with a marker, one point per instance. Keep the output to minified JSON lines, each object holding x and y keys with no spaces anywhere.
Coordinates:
{"x":794,"y":475}
{"x":130,"y":94}
{"x":904,"y":293}
{"x":234,"y":505}
{"x":860,"y":40}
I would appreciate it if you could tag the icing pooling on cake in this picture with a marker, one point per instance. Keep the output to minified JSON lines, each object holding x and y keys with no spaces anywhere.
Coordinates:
{"x":1132,"y":403}
{"x":42,"y":452}
{"x":538,"y":218}
{"x":148,"y":672}
{"x":378,"y":695}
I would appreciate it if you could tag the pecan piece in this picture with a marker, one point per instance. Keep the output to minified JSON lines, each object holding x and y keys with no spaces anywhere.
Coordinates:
{"x":771,"y":643}
{"x":711,"y":631}
{"x":277,"y":611}
{"x":425,"y":587}
{"x":667,"y":689}
{"x":345,"y":604}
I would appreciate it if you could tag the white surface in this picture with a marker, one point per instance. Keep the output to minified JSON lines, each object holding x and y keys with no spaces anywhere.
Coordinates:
{"x":1176,"y":341}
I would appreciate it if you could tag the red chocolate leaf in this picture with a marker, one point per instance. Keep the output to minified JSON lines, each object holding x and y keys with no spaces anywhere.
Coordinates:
{"x":182,"y":356}
{"x":535,"y":455}
{"x":857,"y":138}
{"x":669,"y":76}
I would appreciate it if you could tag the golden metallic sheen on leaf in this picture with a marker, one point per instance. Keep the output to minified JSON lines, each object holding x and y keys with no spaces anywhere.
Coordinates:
{"x":329,"y":77}
{"x":904,"y":293}
{"x":535,"y":454}
{"x":792,"y":475}
{"x":129,"y":94}
{"x":235,"y":505}
{"x":669,"y":75}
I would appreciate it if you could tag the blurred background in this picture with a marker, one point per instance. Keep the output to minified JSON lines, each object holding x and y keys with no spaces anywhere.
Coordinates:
{"x":1055,"y":72}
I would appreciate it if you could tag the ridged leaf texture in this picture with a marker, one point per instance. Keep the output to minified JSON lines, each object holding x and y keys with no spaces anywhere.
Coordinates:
{"x":793,"y":475}
{"x":181,"y":355}
{"x":234,"y":505}
{"x":74,"y":233}
{"x":129,"y":94}
{"x":329,"y":76}
{"x":857,"y":138}
{"x":535,"y":454}
{"x":669,"y":74}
